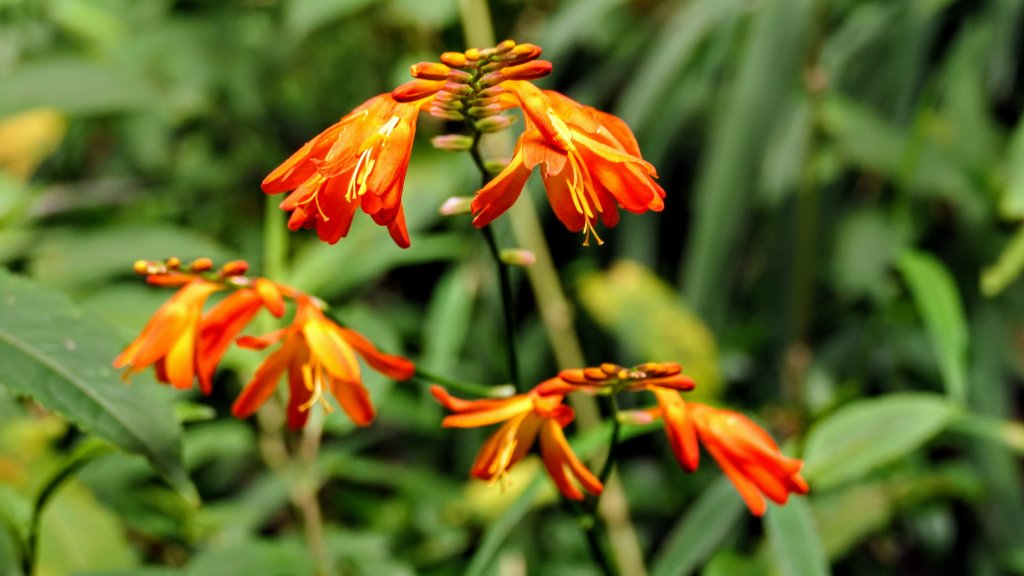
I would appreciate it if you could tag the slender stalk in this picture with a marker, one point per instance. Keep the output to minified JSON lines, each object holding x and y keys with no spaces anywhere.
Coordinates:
{"x":468,"y":387}
{"x":299,"y":469}
{"x":504,"y":277}
{"x":613,"y":440}
{"x":600,"y":553}
{"x":556,"y":315}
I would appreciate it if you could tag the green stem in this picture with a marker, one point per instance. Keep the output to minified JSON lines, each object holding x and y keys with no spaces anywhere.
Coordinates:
{"x":613,"y":441}
{"x":504,"y":278}
{"x":468,"y":387}
{"x":598,"y":551}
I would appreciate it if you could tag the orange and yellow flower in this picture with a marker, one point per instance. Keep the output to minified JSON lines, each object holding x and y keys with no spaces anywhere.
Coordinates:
{"x":590,"y":161}
{"x":538,"y":413}
{"x":744,"y":451}
{"x":319,"y":357}
{"x":359,"y":162}
{"x":169,"y":339}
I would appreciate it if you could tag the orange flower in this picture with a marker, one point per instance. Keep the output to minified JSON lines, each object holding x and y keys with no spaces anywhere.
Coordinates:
{"x":591,"y":164}
{"x":319,"y":356}
{"x":746,"y":453}
{"x":360,"y":161}
{"x":539,"y":412}
{"x":169,"y":338}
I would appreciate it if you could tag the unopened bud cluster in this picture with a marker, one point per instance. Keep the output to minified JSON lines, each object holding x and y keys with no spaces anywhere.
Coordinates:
{"x":466,"y":87}
{"x":156,"y":270}
{"x":614,"y":377}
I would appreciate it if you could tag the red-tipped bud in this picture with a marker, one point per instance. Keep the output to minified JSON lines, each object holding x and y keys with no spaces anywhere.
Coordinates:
{"x":454,"y":59}
{"x":456,"y":205}
{"x":518,"y":257}
{"x":201,"y":265}
{"x":172,"y":279}
{"x":484,"y":111}
{"x":522,"y":53}
{"x":457,"y":89}
{"x":505,"y":46}
{"x":493,"y":79}
{"x":460,"y":77}
{"x":495,"y":123}
{"x":452,"y":142}
{"x":492,"y":92}
{"x":416,"y":90}
{"x":492,"y":66}
{"x":173,"y":263}
{"x":234,"y":268}
{"x":439,"y":112}
{"x":528,"y":71}
{"x":429,"y":71}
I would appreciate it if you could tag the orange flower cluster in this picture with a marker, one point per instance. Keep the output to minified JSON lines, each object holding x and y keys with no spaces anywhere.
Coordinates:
{"x":745,"y":452}
{"x":184,"y":343}
{"x":589,"y":160}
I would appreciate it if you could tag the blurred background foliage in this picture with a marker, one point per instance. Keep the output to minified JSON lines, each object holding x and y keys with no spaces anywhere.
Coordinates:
{"x":839,"y":257}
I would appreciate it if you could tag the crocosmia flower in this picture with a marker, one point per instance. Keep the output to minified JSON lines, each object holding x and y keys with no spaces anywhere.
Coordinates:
{"x":319,"y":358}
{"x":169,"y":339}
{"x":589,"y":160}
{"x":525,"y":417}
{"x":745,"y":452}
{"x":359,"y":162}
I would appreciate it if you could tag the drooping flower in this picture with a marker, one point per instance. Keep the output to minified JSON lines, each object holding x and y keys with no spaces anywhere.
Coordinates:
{"x":538,"y":413}
{"x":319,"y":357}
{"x":590,"y":163}
{"x":744,"y":451}
{"x":169,"y":339}
{"x":359,"y":162}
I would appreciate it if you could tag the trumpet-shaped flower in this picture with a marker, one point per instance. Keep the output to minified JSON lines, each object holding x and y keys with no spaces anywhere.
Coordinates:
{"x":360,"y":161}
{"x":539,"y":413}
{"x":169,"y":339}
{"x":590,"y":164}
{"x":319,"y":357}
{"x":745,"y":452}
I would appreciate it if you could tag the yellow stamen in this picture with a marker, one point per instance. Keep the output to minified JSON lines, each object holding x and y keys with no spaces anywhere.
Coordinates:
{"x":312,"y":376}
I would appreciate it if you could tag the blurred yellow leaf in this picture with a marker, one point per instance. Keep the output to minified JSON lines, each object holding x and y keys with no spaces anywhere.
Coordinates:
{"x":27,"y":138}
{"x":651,"y":322}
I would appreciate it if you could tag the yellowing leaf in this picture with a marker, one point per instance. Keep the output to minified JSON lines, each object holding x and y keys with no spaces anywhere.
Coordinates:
{"x":651,"y":322}
{"x":27,"y":138}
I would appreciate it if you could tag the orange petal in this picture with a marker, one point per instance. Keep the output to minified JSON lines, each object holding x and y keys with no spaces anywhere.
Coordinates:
{"x":218,"y":328}
{"x":270,"y":295}
{"x":354,"y":400}
{"x":329,"y":349}
{"x":553,"y":438}
{"x":679,"y":427}
{"x":748,"y":491}
{"x":390,"y":365}
{"x":500,"y":193}
{"x":263,"y":383}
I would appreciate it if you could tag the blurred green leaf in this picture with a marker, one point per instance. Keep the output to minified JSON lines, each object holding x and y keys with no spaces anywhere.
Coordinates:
{"x":496,"y":533}
{"x":795,"y":540}
{"x":1007,"y":267}
{"x":650,"y":320}
{"x":278,"y":557}
{"x":700,"y":531}
{"x":75,"y":86}
{"x":867,"y":245}
{"x":69,"y":258}
{"x":65,"y":547}
{"x":938,"y":302}
{"x":771,"y":63}
{"x":304,"y":16}
{"x":867,"y":434}
{"x":62,"y":359}
{"x":729,"y":563}
{"x":1012,"y":203}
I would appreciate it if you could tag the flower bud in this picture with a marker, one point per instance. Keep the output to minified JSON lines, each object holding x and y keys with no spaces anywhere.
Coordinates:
{"x":439,"y":112}
{"x":458,"y":89}
{"x":201,"y":265}
{"x":528,"y":71}
{"x":525,"y":53}
{"x":452,"y":142}
{"x":518,"y":257}
{"x":492,"y":66}
{"x":495,"y":123}
{"x":460,"y":76}
{"x":454,"y":59}
{"x":173,"y":263}
{"x":456,"y":205}
{"x":492,"y":79}
{"x":473,"y":54}
{"x":234,"y":268}
{"x":484,"y":111}
{"x":429,"y":71}
{"x":142,"y":267}
{"x":505,"y":46}
{"x":492,"y":92}
{"x":416,"y":90}
{"x":635,"y":417}
{"x":594,"y":374}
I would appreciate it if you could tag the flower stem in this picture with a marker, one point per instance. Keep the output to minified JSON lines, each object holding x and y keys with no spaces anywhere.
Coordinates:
{"x":504,"y":278}
{"x":613,"y":442}
{"x":468,"y":387}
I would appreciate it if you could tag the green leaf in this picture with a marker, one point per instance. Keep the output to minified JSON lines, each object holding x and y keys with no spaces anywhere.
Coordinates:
{"x":75,"y":86}
{"x":1006,"y":268}
{"x":938,"y":302}
{"x":651,"y":322}
{"x":867,"y":434}
{"x":708,"y":522}
{"x":304,"y":16}
{"x":1012,"y":203}
{"x":62,"y":359}
{"x":795,"y":541}
{"x":256,"y":558}
{"x":496,"y":533}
